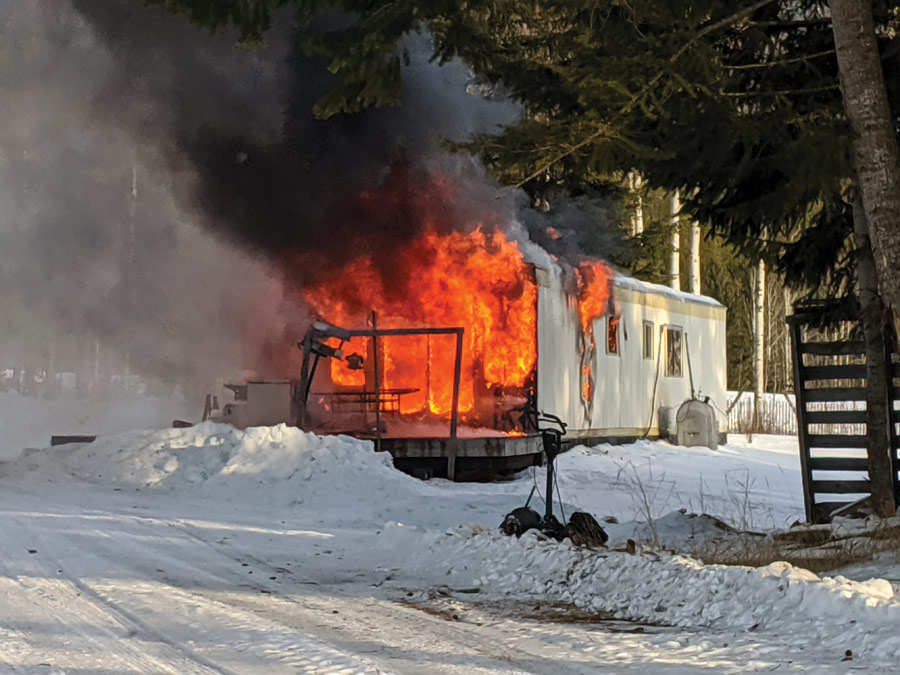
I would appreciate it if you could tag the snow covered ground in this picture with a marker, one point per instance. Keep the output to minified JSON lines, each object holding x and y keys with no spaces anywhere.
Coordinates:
{"x":215,"y":550}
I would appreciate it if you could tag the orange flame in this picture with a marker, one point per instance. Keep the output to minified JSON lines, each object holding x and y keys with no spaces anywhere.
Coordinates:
{"x":593,"y":291}
{"x":593,"y":279}
{"x":340,"y":373}
{"x":587,"y":383}
{"x":476,"y":280}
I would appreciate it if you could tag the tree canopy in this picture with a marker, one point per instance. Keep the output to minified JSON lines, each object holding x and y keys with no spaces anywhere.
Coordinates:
{"x":736,"y":104}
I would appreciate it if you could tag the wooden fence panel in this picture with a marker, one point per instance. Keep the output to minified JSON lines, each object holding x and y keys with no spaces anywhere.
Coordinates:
{"x":829,"y":378}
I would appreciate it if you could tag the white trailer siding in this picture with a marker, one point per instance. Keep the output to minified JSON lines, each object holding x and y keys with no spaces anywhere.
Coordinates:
{"x":623,"y":401}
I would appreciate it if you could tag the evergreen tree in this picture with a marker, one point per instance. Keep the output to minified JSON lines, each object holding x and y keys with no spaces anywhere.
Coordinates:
{"x":735,"y":103}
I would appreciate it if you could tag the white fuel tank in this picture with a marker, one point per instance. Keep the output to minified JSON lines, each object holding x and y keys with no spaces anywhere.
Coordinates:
{"x":696,"y":425}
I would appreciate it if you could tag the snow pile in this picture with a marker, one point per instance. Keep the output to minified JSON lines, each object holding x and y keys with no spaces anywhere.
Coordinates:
{"x":338,"y":480}
{"x":669,"y":589}
{"x":276,"y":464}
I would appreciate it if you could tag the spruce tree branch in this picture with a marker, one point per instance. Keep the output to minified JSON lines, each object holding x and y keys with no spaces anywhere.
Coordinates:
{"x":630,"y":105}
{"x":723,"y":23}
{"x":809,"y":23}
{"x":777,"y":92}
{"x":779,"y":62}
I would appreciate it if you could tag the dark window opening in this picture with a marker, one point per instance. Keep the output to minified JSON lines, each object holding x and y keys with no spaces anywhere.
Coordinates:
{"x":648,"y":339}
{"x":612,"y":335}
{"x":673,"y":351}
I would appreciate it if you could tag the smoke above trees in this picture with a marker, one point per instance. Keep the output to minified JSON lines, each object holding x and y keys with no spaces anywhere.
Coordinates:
{"x":152,"y":173}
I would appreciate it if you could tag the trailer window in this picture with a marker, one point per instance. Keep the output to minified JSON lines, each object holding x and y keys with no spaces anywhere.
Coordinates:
{"x":673,"y":351}
{"x":612,"y":335}
{"x":648,"y":339}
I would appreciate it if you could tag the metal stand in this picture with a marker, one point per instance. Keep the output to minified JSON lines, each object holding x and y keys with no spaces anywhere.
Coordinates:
{"x":322,"y":331}
{"x":552,"y":437}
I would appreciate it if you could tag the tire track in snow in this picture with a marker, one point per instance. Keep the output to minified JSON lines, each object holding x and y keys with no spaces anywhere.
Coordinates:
{"x":507,"y":649}
{"x":382,"y":625}
{"x":246,"y":633}
{"x":392,"y":617}
{"x":84,"y":629}
{"x":372,"y":619}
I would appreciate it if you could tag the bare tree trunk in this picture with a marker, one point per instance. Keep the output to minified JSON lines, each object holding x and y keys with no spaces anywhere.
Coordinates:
{"x":675,"y":256}
{"x":695,"y":258}
{"x":876,"y":153}
{"x":759,"y":346}
{"x":637,"y":219}
{"x":878,"y":399}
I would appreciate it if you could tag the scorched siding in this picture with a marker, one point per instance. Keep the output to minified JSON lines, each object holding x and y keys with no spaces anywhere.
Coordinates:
{"x":623,"y":382}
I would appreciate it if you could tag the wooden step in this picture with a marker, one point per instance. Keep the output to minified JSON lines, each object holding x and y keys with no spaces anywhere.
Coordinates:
{"x":838,"y":464}
{"x":841,"y":487}
{"x":834,"y":394}
{"x":851,"y":372}
{"x":833,"y":348}
{"x":835,"y":441}
{"x":836,"y":417}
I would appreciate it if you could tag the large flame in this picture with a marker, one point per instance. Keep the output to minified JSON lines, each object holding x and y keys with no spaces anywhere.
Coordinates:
{"x":476,"y":280}
{"x":593,"y":292}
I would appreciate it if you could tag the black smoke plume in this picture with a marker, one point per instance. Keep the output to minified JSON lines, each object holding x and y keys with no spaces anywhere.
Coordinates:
{"x":154,"y":176}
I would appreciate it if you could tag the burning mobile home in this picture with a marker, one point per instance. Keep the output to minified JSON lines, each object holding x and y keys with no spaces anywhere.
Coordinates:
{"x":445,"y":338}
{"x":457,"y":358}
{"x":609,"y":354}
{"x":623,"y":374}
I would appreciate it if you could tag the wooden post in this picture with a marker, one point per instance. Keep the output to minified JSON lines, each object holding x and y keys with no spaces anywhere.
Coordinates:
{"x":881,"y":452}
{"x":803,"y":441}
{"x":427,"y":372}
{"x":892,"y":395}
{"x":300,"y":395}
{"x":454,"y":412}
{"x":377,"y":381}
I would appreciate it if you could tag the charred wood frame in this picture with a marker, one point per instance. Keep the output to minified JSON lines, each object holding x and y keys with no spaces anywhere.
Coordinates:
{"x":322,"y":332}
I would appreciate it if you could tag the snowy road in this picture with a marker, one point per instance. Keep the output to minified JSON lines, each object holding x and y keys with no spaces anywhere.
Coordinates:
{"x":270,"y":551}
{"x":100,"y":581}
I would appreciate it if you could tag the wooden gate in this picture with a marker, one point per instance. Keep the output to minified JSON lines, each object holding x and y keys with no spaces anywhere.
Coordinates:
{"x":830,"y":386}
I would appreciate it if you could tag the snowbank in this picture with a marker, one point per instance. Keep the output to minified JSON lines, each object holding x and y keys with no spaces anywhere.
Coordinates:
{"x":751,"y":488}
{"x":279,"y":465}
{"x":338,"y":480}
{"x":284,"y":467}
{"x":342,"y":483}
{"x":670,"y":589}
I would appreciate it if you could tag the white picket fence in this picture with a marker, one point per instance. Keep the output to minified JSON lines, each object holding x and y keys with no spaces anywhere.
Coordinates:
{"x":778,"y":415}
